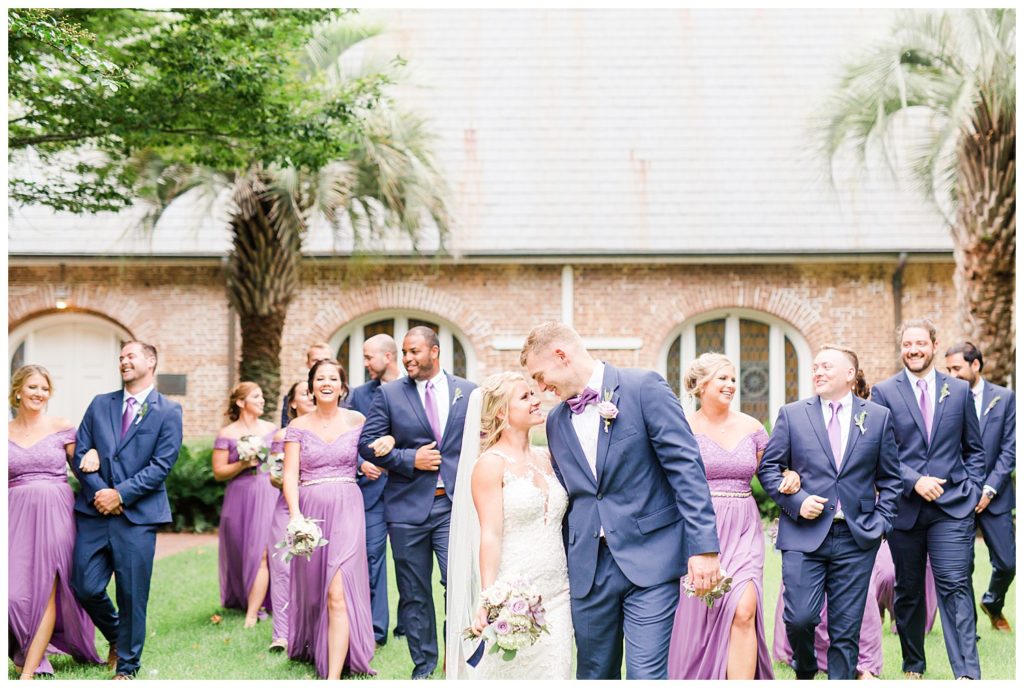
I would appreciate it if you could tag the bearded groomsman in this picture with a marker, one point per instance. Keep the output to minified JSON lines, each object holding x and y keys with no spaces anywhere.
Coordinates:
{"x":996,"y":408}
{"x":942,"y":461}
{"x":380,"y":356}
{"x":844,"y":449}
{"x":425,"y":414}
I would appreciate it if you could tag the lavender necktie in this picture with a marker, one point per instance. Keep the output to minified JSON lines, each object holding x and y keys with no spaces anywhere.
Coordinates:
{"x":926,"y":408}
{"x":430,"y":406}
{"x":833,"y":432}
{"x":129,"y":413}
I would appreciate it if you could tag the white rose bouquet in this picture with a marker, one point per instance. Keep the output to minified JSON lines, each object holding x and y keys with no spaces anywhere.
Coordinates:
{"x":302,"y":536}
{"x":515,"y":615}
{"x":252,"y":448}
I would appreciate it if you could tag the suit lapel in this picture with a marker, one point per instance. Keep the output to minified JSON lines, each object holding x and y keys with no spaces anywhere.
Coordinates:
{"x":452,"y":405}
{"x":413,"y":397}
{"x":855,"y":433}
{"x":987,"y":393}
{"x":116,"y":402}
{"x":813,"y":409}
{"x":610,"y":382}
{"x":150,"y":405}
{"x":564,"y":420}
{"x":911,"y":401}
{"x":940,"y":407}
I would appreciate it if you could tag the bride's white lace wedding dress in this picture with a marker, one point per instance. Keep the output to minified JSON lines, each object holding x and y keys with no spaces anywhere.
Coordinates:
{"x":534,"y":503}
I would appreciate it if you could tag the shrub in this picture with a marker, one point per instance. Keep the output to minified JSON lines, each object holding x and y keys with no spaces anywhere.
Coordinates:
{"x":194,"y":494}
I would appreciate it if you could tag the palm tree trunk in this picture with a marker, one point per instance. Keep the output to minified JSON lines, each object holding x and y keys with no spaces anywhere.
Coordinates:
{"x":985,"y":241}
{"x":262,"y":278}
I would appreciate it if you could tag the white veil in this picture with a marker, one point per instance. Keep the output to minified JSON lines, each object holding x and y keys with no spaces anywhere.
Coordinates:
{"x":463,"y":550}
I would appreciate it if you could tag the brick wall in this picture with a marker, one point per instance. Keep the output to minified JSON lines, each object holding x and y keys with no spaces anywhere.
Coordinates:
{"x":182,"y":309}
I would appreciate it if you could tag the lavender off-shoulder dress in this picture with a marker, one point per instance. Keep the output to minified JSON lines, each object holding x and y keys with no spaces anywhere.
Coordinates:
{"x":41,"y":540}
{"x":280,"y":571}
{"x":245,"y":517}
{"x":699,"y":648}
{"x":328,"y":493}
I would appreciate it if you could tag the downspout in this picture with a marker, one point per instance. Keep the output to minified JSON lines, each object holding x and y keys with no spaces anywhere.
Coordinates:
{"x":232,"y":330}
{"x":897,"y":297}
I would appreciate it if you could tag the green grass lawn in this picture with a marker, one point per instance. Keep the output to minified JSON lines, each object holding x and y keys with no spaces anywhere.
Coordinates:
{"x":183,"y":643}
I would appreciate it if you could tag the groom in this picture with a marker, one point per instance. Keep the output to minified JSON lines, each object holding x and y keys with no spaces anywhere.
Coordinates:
{"x":640,"y":513}
{"x":137,"y":433}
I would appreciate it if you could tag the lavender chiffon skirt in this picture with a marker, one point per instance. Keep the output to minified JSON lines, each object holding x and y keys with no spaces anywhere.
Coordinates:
{"x":339,"y":508}
{"x":41,"y":540}
{"x":249,"y":501}
{"x":699,"y":648}
{"x":280,"y":572}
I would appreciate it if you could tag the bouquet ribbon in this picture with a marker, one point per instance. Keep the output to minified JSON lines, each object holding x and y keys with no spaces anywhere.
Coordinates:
{"x":477,"y":655}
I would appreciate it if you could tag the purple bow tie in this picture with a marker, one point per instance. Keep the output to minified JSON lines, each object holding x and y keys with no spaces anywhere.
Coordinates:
{"x":580,"y":402}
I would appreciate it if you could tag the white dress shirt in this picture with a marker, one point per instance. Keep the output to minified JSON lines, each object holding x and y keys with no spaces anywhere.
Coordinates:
{"x":140,"y":399}
{"x":440,"y":382}
{"x":978,"y":391}
{"x":845,"y":415}
{"x":588,"y":424}
{"x":930,"y":379}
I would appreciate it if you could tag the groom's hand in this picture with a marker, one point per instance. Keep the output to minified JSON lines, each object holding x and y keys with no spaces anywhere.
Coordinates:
{"x":427,"y":458}
{"x":705,"y":572}
{"x":107,"y":501}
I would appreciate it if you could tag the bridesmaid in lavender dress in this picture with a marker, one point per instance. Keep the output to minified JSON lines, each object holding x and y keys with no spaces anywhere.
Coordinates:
{"x":299,"y":404}
{"x":329,"y":621}
{"x":248,"y":508}
{"x":726,"y":640}
{"x":42,"y":614}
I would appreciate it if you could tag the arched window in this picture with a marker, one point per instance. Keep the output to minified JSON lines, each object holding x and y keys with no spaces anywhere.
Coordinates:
{"x":456,"y":357}
{"x":774,"y":359}
{"x":78,"y":349}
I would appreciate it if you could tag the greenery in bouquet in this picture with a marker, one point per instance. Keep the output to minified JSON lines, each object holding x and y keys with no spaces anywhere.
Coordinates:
{"x":302,"y":537}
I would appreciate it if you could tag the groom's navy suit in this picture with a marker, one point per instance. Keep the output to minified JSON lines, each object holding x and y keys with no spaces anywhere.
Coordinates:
{"x":418,"y":518}
{"x":942,"y":530}
{"x":651,"y":498}
{"x":829,"y":554}
{"x":136,"y":466}
{"x":998,"y":428}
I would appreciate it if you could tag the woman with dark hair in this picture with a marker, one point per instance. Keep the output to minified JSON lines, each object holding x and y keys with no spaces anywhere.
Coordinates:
{"x":42,"y":612}
{"x":248,"y":504}
{"x":329,"y":621}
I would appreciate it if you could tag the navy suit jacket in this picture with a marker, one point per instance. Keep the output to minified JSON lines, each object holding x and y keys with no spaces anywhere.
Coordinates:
{"x":360,"y":400}
{"x":998,"y":435}
{"x":137,"y":465}
{"x":651,"y":493}
{"x":869,"y":466}
{"x":955,"y":452}
{"x":397,"y":411}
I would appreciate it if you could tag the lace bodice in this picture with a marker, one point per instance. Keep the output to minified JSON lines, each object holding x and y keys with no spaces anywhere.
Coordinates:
{"x":319,"y":459}
{"x":44,"y":460}
{"x":231,"y":444}
{"x":731,"y":470}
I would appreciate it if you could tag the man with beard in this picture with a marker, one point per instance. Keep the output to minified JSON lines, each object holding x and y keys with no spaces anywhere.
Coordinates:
{"x":942,"y":462}
{"x":996,"y":408}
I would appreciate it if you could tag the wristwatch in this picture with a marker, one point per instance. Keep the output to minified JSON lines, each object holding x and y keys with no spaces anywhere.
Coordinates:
{"x":989,"y":491}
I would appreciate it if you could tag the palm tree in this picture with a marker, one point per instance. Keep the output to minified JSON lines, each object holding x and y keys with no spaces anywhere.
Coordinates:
{"x":389,"y":180}
{"x":953,"y":76}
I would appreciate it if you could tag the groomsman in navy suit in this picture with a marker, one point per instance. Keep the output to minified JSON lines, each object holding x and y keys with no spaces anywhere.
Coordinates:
{"x":424,"y":413}
{"x":640,"y":513}
{"x":137,"y":434}
{"x":380,"y":356}
{"x":942,"y":461}
{"x":844,"y":449}
{"x":996,"y":408}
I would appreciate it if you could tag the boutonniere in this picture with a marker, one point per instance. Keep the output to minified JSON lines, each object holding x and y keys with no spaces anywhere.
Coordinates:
{"x":991,"y":405}
{"x":607,"y":410}
{"x":143,"y":410}
{"x":458,"y":395}
{"x":859,"y":421}
{"x":944,"y":392}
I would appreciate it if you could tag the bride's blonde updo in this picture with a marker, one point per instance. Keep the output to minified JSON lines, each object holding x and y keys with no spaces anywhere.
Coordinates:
{"x":702,"y":371}
{"x":496,"y":393}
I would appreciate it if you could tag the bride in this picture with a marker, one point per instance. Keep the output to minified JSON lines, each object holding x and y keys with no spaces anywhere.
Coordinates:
{"x":506,"y":524}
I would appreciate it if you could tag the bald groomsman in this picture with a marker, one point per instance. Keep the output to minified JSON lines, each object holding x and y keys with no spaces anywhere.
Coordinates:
{"x":996,"y":408}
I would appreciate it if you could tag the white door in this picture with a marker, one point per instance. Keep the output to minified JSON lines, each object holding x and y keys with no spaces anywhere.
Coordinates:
{"x":81,"y":354}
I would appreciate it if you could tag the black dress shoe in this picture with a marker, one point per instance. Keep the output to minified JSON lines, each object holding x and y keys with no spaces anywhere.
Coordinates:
{"x":398,"y":632}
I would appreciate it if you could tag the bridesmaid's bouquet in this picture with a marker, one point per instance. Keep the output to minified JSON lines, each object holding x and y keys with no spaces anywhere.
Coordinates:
{"x":274,"y":465}
{"x":724,"y":586}
{"x":302,"y":536}
{"x":515,"y":615}
{"x":252,"y":448}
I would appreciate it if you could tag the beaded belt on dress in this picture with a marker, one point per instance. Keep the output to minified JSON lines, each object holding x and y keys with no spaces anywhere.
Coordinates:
{"x":333,"y":479}
{"x":737,"y":495}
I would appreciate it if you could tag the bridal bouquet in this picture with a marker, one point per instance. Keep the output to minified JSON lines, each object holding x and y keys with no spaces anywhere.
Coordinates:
{"x":515,"y":615}
{"x":302,"y":536}
{"x":252,"y":447}
{"x":724,"y":586}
